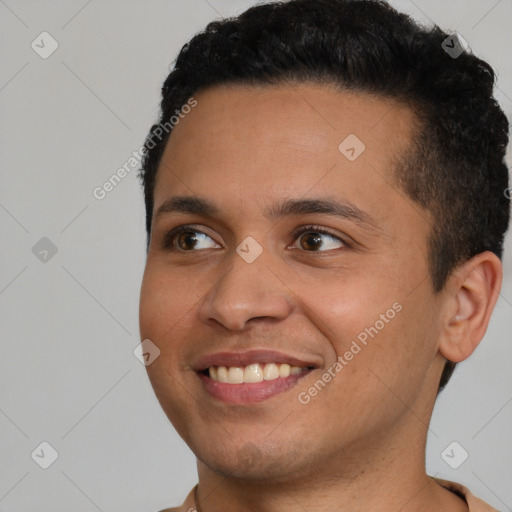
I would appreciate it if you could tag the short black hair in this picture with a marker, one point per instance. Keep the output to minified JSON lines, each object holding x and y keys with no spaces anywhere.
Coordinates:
{"x":455,"y":168}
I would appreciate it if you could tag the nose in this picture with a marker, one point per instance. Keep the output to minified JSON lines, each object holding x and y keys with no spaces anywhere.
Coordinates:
{"x":247,"y":292}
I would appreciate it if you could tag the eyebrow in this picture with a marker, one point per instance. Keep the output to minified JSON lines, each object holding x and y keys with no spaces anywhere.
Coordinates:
{"x":205,"y":207}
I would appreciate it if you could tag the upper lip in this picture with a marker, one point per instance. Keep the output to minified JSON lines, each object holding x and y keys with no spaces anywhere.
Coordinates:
{"x":248,"y":357}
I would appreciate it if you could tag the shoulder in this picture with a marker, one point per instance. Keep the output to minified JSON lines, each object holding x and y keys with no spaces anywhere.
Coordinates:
{"x":183,"y":508}
{"x":474,"y":504}
{"x":187,"y":506}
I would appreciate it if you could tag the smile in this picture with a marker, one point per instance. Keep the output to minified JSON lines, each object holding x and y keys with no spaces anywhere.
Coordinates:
{"x":253,"y":373}
{"x":249,"y":376}
{"x":239,"y":385}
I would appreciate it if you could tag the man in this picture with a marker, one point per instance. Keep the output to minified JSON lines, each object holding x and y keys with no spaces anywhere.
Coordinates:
{"x":325,"y":217}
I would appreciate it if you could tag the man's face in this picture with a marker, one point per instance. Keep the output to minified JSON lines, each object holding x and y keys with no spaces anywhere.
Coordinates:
{"x":362,"y":288}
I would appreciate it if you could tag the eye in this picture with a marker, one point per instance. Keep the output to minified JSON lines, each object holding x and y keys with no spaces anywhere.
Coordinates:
{"x":186,"y":239}
{"x":318,"y":239}
{"x":311,"y":238}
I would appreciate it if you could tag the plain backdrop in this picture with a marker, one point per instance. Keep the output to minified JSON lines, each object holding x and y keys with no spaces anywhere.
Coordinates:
{"x":71,"y":265}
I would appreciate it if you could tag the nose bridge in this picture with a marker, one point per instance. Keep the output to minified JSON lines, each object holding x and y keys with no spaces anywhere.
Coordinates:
{"x":249,"y":289}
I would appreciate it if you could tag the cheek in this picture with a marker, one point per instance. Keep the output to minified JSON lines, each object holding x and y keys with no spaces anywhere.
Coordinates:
{"x":348,"y":307}
{"x":165,"y":299}
{"x":381,"y":332}
{"x":163,"y":308}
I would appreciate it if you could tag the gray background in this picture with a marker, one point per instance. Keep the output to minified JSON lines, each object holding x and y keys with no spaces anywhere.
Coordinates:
{"x":68,"y":375}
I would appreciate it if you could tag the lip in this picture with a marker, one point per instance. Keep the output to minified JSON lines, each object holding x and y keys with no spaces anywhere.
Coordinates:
{"x":249,"y":393}
{"x":244,"y":358}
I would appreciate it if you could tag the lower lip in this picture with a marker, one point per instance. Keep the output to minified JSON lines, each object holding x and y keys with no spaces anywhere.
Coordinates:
{"x":248,"y":393}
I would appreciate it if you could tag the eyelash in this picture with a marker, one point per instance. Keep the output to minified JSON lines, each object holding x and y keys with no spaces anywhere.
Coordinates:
{"x":170,"y":237}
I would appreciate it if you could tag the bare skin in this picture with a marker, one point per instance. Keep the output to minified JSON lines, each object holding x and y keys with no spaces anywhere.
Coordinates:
{"x":359,"y":443}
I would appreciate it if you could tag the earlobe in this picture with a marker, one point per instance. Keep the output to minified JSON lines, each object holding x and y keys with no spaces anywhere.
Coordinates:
{"x":472,"y":291}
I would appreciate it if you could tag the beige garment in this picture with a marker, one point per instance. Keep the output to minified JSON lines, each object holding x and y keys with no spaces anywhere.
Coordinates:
{"x":475,"y":504}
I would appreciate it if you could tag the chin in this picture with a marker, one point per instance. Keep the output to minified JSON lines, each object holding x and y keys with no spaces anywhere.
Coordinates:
{"x":255,"y":464}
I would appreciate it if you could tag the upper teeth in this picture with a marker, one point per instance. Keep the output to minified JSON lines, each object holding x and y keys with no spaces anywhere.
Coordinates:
{"x":252,"y":372}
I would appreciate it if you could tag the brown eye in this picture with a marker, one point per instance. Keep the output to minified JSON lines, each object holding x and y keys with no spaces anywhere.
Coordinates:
{"x":311,"y":241}
{"x":317,"y":239}
{"x":186,"y":239}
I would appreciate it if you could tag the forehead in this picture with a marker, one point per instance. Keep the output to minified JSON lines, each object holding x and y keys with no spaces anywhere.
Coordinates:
{"x":243,"y":143}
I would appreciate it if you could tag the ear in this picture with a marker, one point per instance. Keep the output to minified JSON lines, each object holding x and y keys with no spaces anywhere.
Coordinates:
{"x":471,"y":293}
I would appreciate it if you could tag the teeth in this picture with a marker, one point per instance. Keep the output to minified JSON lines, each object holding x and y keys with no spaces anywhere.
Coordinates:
{"x":253,"y":372}
{"x":235,"y":375}
{"x":284,"y":370}
{"x":222,"y":374}
{"x":271,"y":371}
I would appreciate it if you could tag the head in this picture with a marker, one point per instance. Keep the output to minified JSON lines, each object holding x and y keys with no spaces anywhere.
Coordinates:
{"x":275,"y":93}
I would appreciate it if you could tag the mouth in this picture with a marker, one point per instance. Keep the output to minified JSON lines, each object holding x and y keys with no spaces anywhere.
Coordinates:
{"x":253,"y":373}
{"x":252,"y":376}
